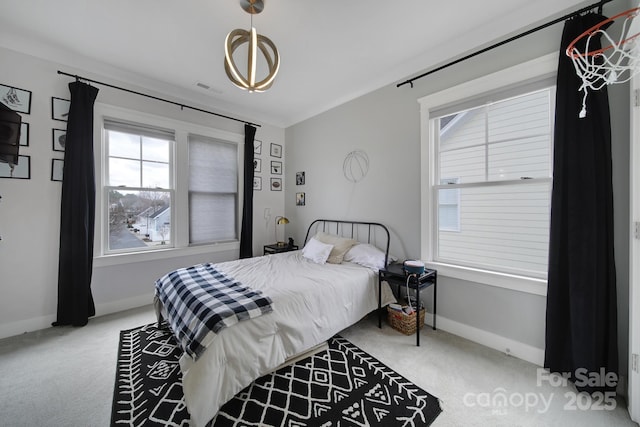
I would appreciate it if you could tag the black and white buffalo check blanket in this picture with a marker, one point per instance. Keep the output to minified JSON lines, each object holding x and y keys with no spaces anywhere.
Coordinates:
{"x":200,"y":299}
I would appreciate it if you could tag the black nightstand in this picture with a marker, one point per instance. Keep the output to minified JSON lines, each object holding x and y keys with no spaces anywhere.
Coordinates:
{"x":394,"y":273}
{"x":276,"y":249}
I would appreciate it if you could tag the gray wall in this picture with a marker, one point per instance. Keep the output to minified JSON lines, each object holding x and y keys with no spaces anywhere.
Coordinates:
{"x":30,"y":209}
{"x":386,"y":125}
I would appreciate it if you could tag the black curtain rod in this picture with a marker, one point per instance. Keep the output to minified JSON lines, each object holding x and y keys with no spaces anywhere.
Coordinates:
{"x":509,"y":40}
{"x":182,"y":106}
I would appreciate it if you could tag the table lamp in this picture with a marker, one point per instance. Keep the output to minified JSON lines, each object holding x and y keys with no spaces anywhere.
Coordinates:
{"x":280,"y":220}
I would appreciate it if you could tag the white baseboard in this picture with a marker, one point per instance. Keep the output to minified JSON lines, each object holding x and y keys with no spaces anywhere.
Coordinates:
{"x":124,"y":304}
{"x":489,"y":339}
{"x":26,"y":325}
{"x":517,"y":349}
{"x":44,"y":322}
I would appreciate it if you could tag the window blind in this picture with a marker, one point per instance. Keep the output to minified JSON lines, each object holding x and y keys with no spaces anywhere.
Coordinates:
{"x":213,"y":190}
{"x":139,"y":129}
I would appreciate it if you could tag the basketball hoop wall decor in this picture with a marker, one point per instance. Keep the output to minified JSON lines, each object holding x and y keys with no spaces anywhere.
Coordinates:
{"x":617,"y":62}
{"x":254,"y":41}
{"x":355,"y":166}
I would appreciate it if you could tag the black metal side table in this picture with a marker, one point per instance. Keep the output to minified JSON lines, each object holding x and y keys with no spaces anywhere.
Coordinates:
{"x":395,"y":273}
{"x":276,"y":249}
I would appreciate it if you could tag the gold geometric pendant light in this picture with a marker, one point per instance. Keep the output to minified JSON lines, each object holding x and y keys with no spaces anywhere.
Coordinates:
{"x":255,"y":41}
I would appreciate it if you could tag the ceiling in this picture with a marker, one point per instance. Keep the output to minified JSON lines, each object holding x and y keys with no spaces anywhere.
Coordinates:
{"x":331,"y":50}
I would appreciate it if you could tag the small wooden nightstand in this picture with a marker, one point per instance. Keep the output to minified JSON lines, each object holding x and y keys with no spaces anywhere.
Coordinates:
{"x":276,"y":249}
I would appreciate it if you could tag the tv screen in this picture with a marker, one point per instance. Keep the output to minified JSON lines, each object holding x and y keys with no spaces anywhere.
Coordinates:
{"x":10,"y":122}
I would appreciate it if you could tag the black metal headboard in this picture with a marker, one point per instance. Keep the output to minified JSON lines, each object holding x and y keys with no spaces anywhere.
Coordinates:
{"x":364,"y":232}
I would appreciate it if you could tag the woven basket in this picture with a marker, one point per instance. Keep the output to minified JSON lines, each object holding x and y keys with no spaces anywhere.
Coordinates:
{"x":405,"y":323}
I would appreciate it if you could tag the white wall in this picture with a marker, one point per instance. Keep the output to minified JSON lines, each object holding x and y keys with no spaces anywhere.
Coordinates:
{"x":386,"y":124}
{"x":29,"y":209}
{"x":389,"y":193}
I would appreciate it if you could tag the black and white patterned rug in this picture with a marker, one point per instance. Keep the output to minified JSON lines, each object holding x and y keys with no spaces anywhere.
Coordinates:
{"x":342,"y":386}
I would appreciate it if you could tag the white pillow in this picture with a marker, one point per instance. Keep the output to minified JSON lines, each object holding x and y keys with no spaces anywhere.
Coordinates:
{"x":340,"y":246}
{"x":366,"y":255}
{"x":316,"y":251}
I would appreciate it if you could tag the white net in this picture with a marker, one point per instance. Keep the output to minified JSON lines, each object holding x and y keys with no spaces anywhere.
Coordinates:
{"x":617,"y":62}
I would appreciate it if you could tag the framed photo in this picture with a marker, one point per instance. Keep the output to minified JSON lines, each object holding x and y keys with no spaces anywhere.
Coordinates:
{"x":276,"y":150}
{"x":257,"y":165}
{"x":276,"y":184}
{"x":276,"y":167}
{"x":59,"y":138}
{"x":257,"y":146}
{"x":19,"y":100}
{"x":300,"y":199}
{"x":60,"y":108}
{"x":24,"y":134}
{"x":21,"y":171}
{"x":56,"y":169}
{"x":300,"y":178}
{"x":257,"y":183}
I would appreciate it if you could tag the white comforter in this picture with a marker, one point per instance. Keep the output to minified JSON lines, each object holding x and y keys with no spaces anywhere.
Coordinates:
{"x":311,"y":303}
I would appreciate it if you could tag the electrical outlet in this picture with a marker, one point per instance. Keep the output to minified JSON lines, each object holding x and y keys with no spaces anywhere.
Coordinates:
{"x":634,"y":363}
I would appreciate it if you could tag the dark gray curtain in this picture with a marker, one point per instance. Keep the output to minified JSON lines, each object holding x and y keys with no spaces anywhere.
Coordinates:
{"x":246,"y":234}
{"x":581,"y":319}
{"x":77,"y":212}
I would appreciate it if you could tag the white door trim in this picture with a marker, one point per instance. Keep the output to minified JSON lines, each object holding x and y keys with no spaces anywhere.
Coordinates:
{"x":634,"y":256}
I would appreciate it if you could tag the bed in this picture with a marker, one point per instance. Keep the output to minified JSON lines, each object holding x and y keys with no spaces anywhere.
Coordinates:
{"x":309,"y":302}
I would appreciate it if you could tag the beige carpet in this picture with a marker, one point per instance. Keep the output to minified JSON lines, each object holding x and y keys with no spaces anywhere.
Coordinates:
{"x":65,"y":377}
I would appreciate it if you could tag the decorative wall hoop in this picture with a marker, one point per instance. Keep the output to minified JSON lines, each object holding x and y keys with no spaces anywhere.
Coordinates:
{"x":355,"y":166}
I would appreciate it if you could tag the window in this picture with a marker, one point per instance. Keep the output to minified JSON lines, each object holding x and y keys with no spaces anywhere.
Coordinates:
{"x":167,"y":187}
{"x":139,"y":187}
{"x":449,"y":206}
{"x":495,"y":214}
{"x":213,"y":190}
{"x":489,"y":176}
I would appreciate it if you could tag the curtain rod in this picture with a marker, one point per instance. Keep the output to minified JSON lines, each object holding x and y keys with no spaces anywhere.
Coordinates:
{"x":509,"y":40}
{"x":182,"y":106}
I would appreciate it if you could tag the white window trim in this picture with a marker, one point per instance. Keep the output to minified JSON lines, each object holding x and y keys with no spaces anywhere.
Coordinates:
{"x":455,"y":229}
{"x":179,"y":213}
{"x":538,"y":68}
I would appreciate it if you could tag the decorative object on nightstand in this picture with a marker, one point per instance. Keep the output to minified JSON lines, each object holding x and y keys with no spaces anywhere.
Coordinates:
{"x":280,"y":220}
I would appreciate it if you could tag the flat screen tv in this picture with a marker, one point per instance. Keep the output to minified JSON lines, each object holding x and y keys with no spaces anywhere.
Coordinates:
{"x":10,"y":122}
